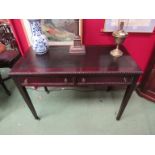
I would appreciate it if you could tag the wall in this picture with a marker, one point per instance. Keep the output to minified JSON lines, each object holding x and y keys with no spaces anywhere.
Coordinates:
{"x":20,"y":35}
{"x":139,"y":45}
{"x":27,"y":29}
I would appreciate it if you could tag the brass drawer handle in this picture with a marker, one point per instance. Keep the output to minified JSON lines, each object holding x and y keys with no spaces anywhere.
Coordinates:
{"x":65,"y":80}
{"x":26,"y":81}
{"x":83,"y":80}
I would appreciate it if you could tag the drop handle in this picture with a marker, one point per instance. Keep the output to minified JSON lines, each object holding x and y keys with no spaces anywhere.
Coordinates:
{"x":83,"y":80}
{"x":26,"y":81}
{"x":65,"y":80}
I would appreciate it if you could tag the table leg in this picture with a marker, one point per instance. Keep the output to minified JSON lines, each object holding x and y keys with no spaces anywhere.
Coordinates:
{"x":26,"y":97}
{"x":127,"y":95}
{"x":6,"y":89}
{"x":46,"y":89}
{"x":109,"y":88}
{"x":3,"y":85}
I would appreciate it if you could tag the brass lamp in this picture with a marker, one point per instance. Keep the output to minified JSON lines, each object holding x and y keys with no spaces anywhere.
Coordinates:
{"x":119,"y":36}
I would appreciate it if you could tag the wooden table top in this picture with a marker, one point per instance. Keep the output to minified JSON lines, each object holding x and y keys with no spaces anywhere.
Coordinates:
{"x":97,"y":60}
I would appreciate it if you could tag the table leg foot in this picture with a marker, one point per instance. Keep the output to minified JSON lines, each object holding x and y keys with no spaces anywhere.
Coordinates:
{"x":46,"y":89}
{"x":37,"y":118}
{"x":117,"y":118}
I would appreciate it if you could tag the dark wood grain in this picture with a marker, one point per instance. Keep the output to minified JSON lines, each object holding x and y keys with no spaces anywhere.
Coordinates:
{"x":58,"y":61}
{"x":58,"y":68}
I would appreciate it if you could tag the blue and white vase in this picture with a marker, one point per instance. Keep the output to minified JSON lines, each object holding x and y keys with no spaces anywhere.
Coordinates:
{"x":40,"y":41}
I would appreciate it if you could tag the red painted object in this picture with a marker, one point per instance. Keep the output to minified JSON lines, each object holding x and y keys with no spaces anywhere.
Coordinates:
{"x":140,"y":45}
{"x":19,"y":33}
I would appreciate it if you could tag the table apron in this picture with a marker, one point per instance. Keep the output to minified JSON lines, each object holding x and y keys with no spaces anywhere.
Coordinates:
{"x":75,"y":80}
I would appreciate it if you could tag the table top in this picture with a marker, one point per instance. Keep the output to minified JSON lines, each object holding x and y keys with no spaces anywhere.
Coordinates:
{"x":97,"y":60}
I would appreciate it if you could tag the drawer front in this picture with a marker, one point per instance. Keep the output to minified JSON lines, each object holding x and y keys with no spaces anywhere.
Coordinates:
{"x":74,"y":80}
{"x":47,"y":81}
{"x":103,"y":80}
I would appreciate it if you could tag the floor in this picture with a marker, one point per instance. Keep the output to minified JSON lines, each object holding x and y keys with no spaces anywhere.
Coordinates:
{"x":84,"y":112}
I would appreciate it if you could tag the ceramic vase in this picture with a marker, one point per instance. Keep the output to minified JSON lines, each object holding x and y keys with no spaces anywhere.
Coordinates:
{"x":40,"y":41}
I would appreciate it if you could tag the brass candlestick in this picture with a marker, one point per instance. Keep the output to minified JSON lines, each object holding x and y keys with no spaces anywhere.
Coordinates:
{"x":77,"y":47}
{"x":119,"y":36}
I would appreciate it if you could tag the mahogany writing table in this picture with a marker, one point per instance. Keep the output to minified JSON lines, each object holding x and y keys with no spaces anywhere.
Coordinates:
{"x":60,"y":69}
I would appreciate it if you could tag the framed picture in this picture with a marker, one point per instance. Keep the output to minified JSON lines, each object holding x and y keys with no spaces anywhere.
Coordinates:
{"x":60,"y":31}
{"x":130,"y":25}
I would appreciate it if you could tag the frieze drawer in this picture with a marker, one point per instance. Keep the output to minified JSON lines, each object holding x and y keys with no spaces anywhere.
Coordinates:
{"x":103,"y":80}
{"x":47,"y":81}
